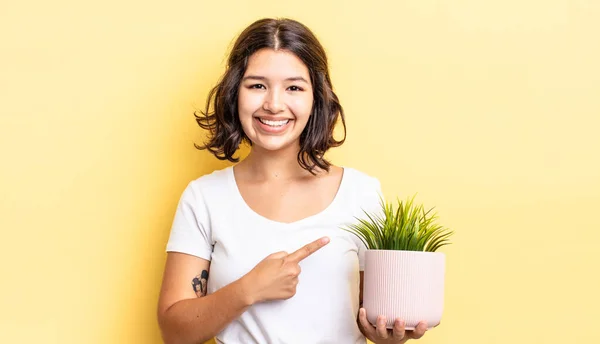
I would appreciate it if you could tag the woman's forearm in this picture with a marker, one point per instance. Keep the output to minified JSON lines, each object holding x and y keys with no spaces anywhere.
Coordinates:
{"x":194,"y":321}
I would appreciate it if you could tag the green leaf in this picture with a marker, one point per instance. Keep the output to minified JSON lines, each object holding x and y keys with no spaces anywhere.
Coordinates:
{"x":407,"y":226}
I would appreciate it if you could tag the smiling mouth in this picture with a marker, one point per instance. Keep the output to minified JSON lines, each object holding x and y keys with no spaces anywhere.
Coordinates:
{"x":274,"y":124}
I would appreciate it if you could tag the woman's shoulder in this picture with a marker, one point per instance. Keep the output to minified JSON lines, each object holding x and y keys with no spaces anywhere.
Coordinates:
{"x":360,"y":178}
{"x":362,"y":188}
{"x":362,"y":191}
{"x":214,"y":181}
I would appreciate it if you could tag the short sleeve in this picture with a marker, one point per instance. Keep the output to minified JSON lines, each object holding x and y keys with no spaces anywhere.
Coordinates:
{"x":190,"y":231}
{"x":372,"y":197}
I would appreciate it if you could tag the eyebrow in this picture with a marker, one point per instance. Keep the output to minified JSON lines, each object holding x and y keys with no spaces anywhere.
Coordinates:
{"x":262,"y":78}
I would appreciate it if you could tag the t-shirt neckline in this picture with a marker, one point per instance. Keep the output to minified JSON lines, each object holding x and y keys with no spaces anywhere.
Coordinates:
{"x":248,"y":209}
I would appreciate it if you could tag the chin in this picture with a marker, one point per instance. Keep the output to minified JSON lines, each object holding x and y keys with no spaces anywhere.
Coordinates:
{"x":276,"y":146}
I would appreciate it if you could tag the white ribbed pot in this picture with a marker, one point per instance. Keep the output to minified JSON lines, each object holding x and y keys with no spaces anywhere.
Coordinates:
{"x":404,"y":284}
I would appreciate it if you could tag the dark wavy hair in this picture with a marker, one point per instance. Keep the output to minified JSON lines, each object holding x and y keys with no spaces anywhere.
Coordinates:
{"x":223,"y":123}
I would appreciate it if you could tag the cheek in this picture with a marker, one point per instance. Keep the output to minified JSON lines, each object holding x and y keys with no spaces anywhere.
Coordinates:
{"x":248,"y":103}
{"x":302,"y":106}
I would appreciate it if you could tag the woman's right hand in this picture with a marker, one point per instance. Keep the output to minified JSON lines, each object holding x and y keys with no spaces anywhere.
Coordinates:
{"x":276,"y":276}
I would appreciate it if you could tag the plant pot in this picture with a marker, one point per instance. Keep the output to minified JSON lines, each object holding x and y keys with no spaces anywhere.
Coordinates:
{"x":404,"y":284}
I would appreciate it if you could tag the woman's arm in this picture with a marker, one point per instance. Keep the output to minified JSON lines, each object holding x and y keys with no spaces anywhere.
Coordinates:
{"x":360,"y":291}
{"x":185,"y":317}
{"x":185,"y":313}
{"x":360,"y":302}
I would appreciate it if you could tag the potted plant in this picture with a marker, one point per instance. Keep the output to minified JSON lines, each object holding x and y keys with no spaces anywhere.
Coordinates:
{"x":404,"y":275}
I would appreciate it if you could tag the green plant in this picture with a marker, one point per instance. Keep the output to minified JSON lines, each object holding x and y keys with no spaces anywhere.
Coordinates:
{"x":408,"y":228}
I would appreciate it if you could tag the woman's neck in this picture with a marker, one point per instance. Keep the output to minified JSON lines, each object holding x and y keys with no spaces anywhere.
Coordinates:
{"x":266,"y":165}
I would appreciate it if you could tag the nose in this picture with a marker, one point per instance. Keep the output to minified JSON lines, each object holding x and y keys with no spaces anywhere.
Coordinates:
{"x":273,"y":102}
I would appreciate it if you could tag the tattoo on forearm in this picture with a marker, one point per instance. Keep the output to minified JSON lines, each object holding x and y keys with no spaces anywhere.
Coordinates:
{"x":199,"y":283}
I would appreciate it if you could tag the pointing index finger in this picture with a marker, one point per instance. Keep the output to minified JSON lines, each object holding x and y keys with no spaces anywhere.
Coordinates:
{"x":308,"y":249}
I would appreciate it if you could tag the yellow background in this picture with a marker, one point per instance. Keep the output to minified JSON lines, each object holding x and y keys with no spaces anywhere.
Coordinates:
{"x":490,"y":110}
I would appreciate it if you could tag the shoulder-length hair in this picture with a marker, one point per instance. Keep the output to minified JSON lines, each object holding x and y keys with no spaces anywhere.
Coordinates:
{"x":223,"y":123}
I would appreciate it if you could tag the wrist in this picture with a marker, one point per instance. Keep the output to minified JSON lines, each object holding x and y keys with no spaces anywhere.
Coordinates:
{"x":246,"y":291}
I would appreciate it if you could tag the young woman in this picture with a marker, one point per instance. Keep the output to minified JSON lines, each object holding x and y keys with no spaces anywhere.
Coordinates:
{"x":256,"y":252}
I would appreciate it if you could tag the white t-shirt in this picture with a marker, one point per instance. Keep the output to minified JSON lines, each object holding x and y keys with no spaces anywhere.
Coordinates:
{"x":214,"y":222}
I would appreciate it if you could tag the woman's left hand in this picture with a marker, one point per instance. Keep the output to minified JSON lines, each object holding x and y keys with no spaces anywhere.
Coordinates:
{"x":381,"y":335}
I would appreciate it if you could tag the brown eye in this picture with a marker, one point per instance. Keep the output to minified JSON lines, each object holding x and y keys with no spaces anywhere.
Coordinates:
{"x":257,"y":86}
{"x":295,"y":88}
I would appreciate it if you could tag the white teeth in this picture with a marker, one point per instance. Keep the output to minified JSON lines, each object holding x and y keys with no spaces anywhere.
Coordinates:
{"x":274,"y":123}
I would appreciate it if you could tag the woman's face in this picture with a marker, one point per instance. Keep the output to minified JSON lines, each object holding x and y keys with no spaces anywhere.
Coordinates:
{"x":275,"y":99}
